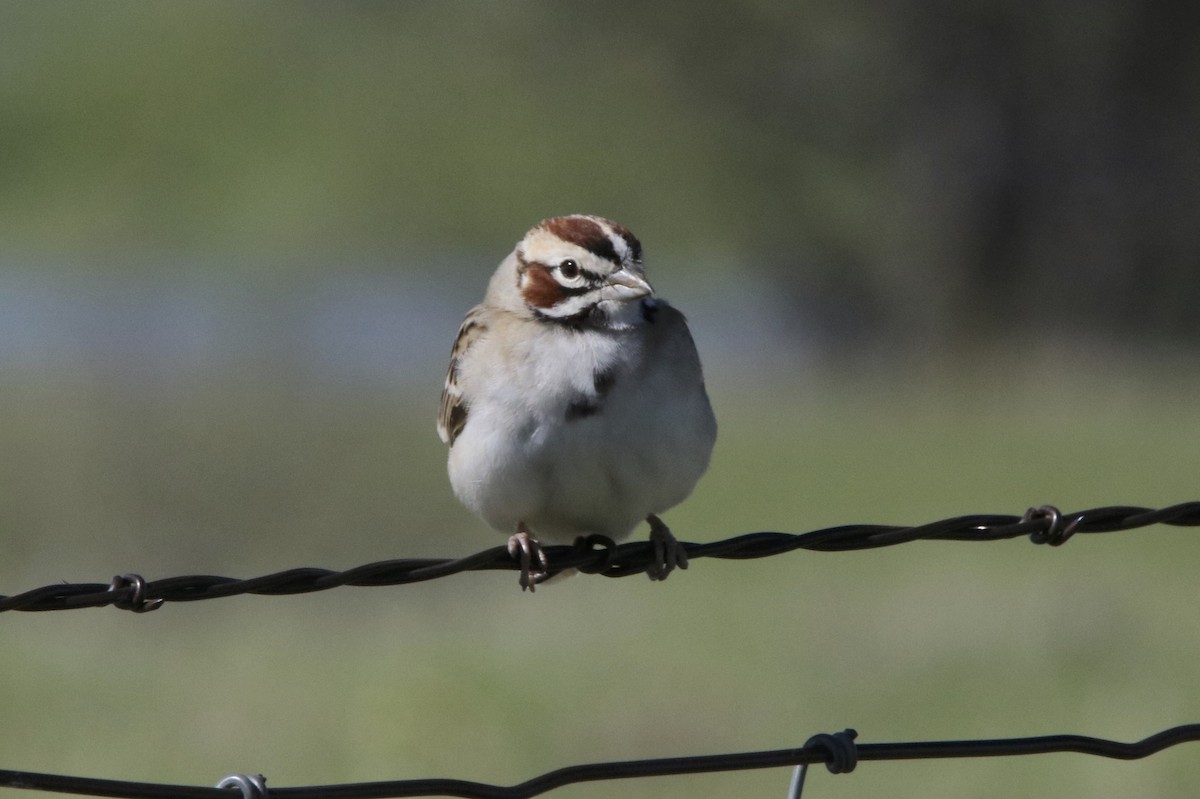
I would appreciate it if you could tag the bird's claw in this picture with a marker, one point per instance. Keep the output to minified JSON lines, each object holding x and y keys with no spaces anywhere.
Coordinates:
{"x":669,"y":554}
{"x":527,"y":549}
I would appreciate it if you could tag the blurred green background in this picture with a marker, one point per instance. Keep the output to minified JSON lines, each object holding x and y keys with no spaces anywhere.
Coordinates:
{"x":939,"y":258}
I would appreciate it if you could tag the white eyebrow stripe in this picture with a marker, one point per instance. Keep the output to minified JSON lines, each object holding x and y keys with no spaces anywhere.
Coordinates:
{"x":620,"y":246}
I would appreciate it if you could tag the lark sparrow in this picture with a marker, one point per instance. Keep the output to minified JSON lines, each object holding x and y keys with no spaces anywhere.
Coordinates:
{"x":574,"y":402}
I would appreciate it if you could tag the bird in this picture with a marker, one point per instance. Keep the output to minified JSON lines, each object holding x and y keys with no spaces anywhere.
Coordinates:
{"x":574,"y":403}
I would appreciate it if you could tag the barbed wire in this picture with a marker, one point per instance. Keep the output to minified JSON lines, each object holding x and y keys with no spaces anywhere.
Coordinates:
{"x":599,"y":555}
{"x":838,"y":752}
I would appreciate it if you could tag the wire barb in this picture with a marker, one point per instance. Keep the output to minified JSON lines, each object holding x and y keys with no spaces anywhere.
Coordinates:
{"x":252,"y":786}
{"x":841,"y":757}
{"x":841,"y":754}
{"x":598,"y":555}
{"x":1055,"y":533}
{"x":585,"y":547}
{"x":135,"y":586}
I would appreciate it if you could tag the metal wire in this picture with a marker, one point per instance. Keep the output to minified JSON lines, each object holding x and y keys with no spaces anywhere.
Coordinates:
{"x":599,"y":555}
{"x":839,"y":758}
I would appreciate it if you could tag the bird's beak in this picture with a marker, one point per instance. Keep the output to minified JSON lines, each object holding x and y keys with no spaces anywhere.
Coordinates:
{"x":627,"y":285}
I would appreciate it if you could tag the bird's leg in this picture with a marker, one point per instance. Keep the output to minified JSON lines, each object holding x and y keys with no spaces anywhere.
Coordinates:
{"x":526,"y":548}
{"x":668,"y":553}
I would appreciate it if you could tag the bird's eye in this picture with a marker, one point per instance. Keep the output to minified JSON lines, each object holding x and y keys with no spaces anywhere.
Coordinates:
{"x":569,"y":269}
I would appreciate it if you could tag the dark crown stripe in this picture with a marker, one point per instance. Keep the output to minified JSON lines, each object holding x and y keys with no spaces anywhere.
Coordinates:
{"x":585,"y":233}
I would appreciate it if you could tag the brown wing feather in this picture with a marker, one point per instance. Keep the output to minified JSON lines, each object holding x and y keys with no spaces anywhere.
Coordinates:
{"x":452,"y":415}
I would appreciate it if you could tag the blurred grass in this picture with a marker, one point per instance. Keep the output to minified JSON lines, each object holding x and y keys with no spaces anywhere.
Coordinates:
{"x":466,"y":677}
{"x":281,"y":129}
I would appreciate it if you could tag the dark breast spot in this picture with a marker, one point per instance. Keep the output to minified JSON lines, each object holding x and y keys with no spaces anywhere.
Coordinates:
{"x":604,"y":379}
{"x":586,"y":405}
{"x":581,"y":408}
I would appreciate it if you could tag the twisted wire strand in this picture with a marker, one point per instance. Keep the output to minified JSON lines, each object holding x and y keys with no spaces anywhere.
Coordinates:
{"x":812,"y":753}
{"x":599,"y":555}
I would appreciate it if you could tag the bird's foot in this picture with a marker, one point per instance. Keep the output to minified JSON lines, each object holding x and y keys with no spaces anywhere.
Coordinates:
{"x":525,"y":548}
{"x":669,"y":554}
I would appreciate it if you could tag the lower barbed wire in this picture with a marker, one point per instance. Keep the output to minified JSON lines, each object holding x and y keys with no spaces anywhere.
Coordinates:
{"x":840,"y":752}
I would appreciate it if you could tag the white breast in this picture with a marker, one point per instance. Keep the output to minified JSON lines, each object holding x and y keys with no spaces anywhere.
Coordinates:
{"x":520,"y":458}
